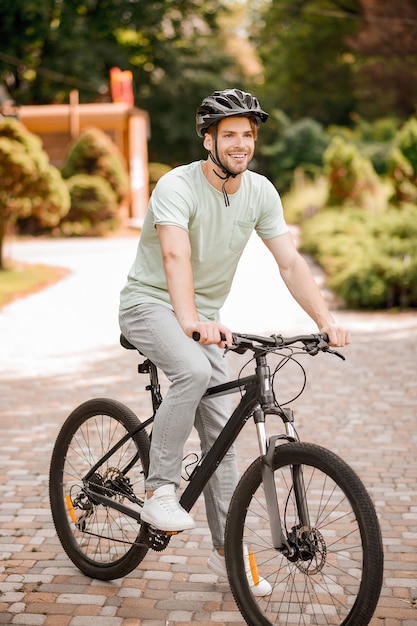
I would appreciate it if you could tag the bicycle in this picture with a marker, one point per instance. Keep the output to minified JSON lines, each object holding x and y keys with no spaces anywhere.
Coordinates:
{"x":301,"y":513}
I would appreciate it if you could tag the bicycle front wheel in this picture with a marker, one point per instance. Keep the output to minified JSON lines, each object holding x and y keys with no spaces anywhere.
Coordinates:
{"x":101,"y":541}
{"x":334,"y":575}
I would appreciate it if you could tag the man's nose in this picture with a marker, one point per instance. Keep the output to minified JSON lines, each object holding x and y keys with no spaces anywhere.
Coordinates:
{"x":239,"y":140}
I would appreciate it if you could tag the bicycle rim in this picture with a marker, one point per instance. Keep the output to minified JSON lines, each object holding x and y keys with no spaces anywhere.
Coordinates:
{"x":101,"y":541}
{"x":335,"y":577}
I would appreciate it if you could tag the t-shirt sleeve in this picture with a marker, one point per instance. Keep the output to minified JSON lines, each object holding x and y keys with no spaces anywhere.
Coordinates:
{"x":271,"y":221}
{"x":171,"y":202}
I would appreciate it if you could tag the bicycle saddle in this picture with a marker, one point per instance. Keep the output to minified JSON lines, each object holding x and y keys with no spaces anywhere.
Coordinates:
{"x":125,"y":343}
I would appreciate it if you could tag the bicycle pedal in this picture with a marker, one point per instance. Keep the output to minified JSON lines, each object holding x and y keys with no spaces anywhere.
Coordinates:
{"x":157,"y":539}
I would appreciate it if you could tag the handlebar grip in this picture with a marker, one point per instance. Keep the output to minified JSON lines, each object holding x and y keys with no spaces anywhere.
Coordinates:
{"x":325,"y":337}
{"x":196,"y":336}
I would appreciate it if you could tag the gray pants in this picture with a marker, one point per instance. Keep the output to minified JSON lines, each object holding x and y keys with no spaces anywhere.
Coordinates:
{"x":191,"y":368}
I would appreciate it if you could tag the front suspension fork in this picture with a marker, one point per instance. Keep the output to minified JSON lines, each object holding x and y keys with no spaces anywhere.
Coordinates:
{"x":267,"y":450}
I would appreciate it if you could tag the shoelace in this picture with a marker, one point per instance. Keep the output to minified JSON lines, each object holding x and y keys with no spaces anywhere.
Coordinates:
{"x":169,"y":503}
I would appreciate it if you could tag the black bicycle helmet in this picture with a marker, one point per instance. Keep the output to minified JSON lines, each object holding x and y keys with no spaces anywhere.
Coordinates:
{"x":228,"y":103}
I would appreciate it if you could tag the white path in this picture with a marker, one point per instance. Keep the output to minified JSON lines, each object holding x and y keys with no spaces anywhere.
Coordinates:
{"x":72,"y":321}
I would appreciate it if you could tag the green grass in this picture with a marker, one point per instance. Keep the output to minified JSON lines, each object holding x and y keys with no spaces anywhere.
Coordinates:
{"x":20,"y":280}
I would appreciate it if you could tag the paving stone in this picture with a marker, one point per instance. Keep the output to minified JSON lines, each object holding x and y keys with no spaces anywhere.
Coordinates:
{"x":364,"y":409}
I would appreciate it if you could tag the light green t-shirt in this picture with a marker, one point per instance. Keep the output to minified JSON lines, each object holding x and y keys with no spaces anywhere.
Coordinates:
{"x":218,"y":235}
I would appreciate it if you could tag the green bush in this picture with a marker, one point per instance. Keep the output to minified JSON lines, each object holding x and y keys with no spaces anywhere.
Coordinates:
{"x":32,"y":192}
{"x":305,"y":198}
{"x":400,"y":173}
{"x":374,"y":140}
{"x":370,"y":259}
{"x":94,"y":153}
{"x":300,"y":146}
{"x":352,"y":178}
{"x":94,"y":207}
{"x":407,"y":143}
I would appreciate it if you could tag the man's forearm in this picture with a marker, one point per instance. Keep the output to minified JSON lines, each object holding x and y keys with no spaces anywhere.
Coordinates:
{"x":304,"y":289}
{"x":180,"y":284}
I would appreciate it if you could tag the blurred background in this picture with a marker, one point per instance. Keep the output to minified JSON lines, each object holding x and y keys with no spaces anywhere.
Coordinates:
{"x":338,"y":78}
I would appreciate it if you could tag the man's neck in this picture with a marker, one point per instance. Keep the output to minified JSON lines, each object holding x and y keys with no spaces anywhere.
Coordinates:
{"x":216,"y":180}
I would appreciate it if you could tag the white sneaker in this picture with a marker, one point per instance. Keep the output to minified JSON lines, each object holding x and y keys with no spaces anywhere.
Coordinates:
{"x":163,"y":511}
{"x":217,"y":564}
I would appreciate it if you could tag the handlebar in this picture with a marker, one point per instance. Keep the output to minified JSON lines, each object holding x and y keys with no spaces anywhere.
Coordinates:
{"x":313,"y":343}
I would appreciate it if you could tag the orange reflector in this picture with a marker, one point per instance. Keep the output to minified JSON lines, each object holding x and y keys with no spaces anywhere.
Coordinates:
{"x":253,"y":568}
{"x":71,"y":508}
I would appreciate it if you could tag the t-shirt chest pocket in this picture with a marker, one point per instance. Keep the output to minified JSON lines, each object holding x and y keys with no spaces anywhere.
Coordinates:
{"x":241,"y":231}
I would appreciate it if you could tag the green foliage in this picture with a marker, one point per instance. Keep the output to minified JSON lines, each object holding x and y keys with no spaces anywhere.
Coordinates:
{"x":305,"y":198}
{"x":331,"y":60}
{"x":352,"y":178}
{"x":94,"y":206}
{"x":299,"y":146}
{"x":31,"y":189}
{"x":386,"y":59}
{"x":94,"y":153}
{"x":407,"y":143}
{"x":401,"y":174}
{"x":370,"y":259}
{"x":307,"y":60}
{"x":402,"y":164}
{"x":175,"y":50}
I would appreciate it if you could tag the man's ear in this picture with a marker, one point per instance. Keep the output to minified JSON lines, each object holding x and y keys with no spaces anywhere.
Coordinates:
{"x":208,"y":142}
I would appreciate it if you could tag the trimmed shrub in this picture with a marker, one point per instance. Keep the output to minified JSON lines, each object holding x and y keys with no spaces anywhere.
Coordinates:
{"x":94,"y":206}
{"x":94,"y":153}
{"x":32,"y":192}
{"x":370,"y":260}
{"x":352,"y":178}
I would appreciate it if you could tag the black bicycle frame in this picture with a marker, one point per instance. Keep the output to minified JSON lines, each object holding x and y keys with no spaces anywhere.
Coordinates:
{"x":203,"y":471}
{"x":207,"y":465}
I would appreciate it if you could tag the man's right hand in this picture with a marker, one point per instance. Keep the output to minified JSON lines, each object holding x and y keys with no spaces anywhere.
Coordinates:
{"x":210,"y":333}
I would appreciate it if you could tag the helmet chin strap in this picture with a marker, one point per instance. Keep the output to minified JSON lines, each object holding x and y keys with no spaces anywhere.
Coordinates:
{"x":226,"y":172}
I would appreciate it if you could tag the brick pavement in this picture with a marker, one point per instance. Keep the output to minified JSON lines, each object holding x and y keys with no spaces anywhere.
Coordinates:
{"x":364,"y":409}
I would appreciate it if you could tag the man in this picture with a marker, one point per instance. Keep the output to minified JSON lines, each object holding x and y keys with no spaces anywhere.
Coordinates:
{"x":199,"y":219}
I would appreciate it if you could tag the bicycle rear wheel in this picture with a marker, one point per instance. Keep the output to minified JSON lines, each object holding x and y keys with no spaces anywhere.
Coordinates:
{"x":101,"y":541}
{"x":335,"y":575}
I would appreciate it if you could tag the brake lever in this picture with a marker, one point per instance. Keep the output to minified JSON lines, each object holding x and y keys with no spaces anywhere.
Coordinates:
{"x":323,"y":346}
{"x":341,"y":356}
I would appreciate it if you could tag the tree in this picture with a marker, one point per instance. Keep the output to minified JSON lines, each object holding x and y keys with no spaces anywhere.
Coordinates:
{"x":307,"y":61}
{"x":336,"y":59}
{"x":386,"y":70}
{"x":29,"y":184}
{"x":174,"y":48}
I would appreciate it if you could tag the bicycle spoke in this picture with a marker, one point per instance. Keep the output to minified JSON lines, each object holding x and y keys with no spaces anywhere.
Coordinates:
{"x":100,"y":540}
{"x":319,"y":583}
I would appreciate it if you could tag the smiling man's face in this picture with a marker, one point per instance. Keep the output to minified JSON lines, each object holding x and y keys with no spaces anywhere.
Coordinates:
{"x":235,"y":143}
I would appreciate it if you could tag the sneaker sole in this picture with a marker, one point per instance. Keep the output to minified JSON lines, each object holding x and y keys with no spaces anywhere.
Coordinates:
{"x":219,"y":572}
{"x":149,"y":520}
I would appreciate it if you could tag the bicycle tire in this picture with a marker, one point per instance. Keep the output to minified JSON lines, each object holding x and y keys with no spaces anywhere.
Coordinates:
{"x":102,"y":542}
{"x":341,"y":584}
